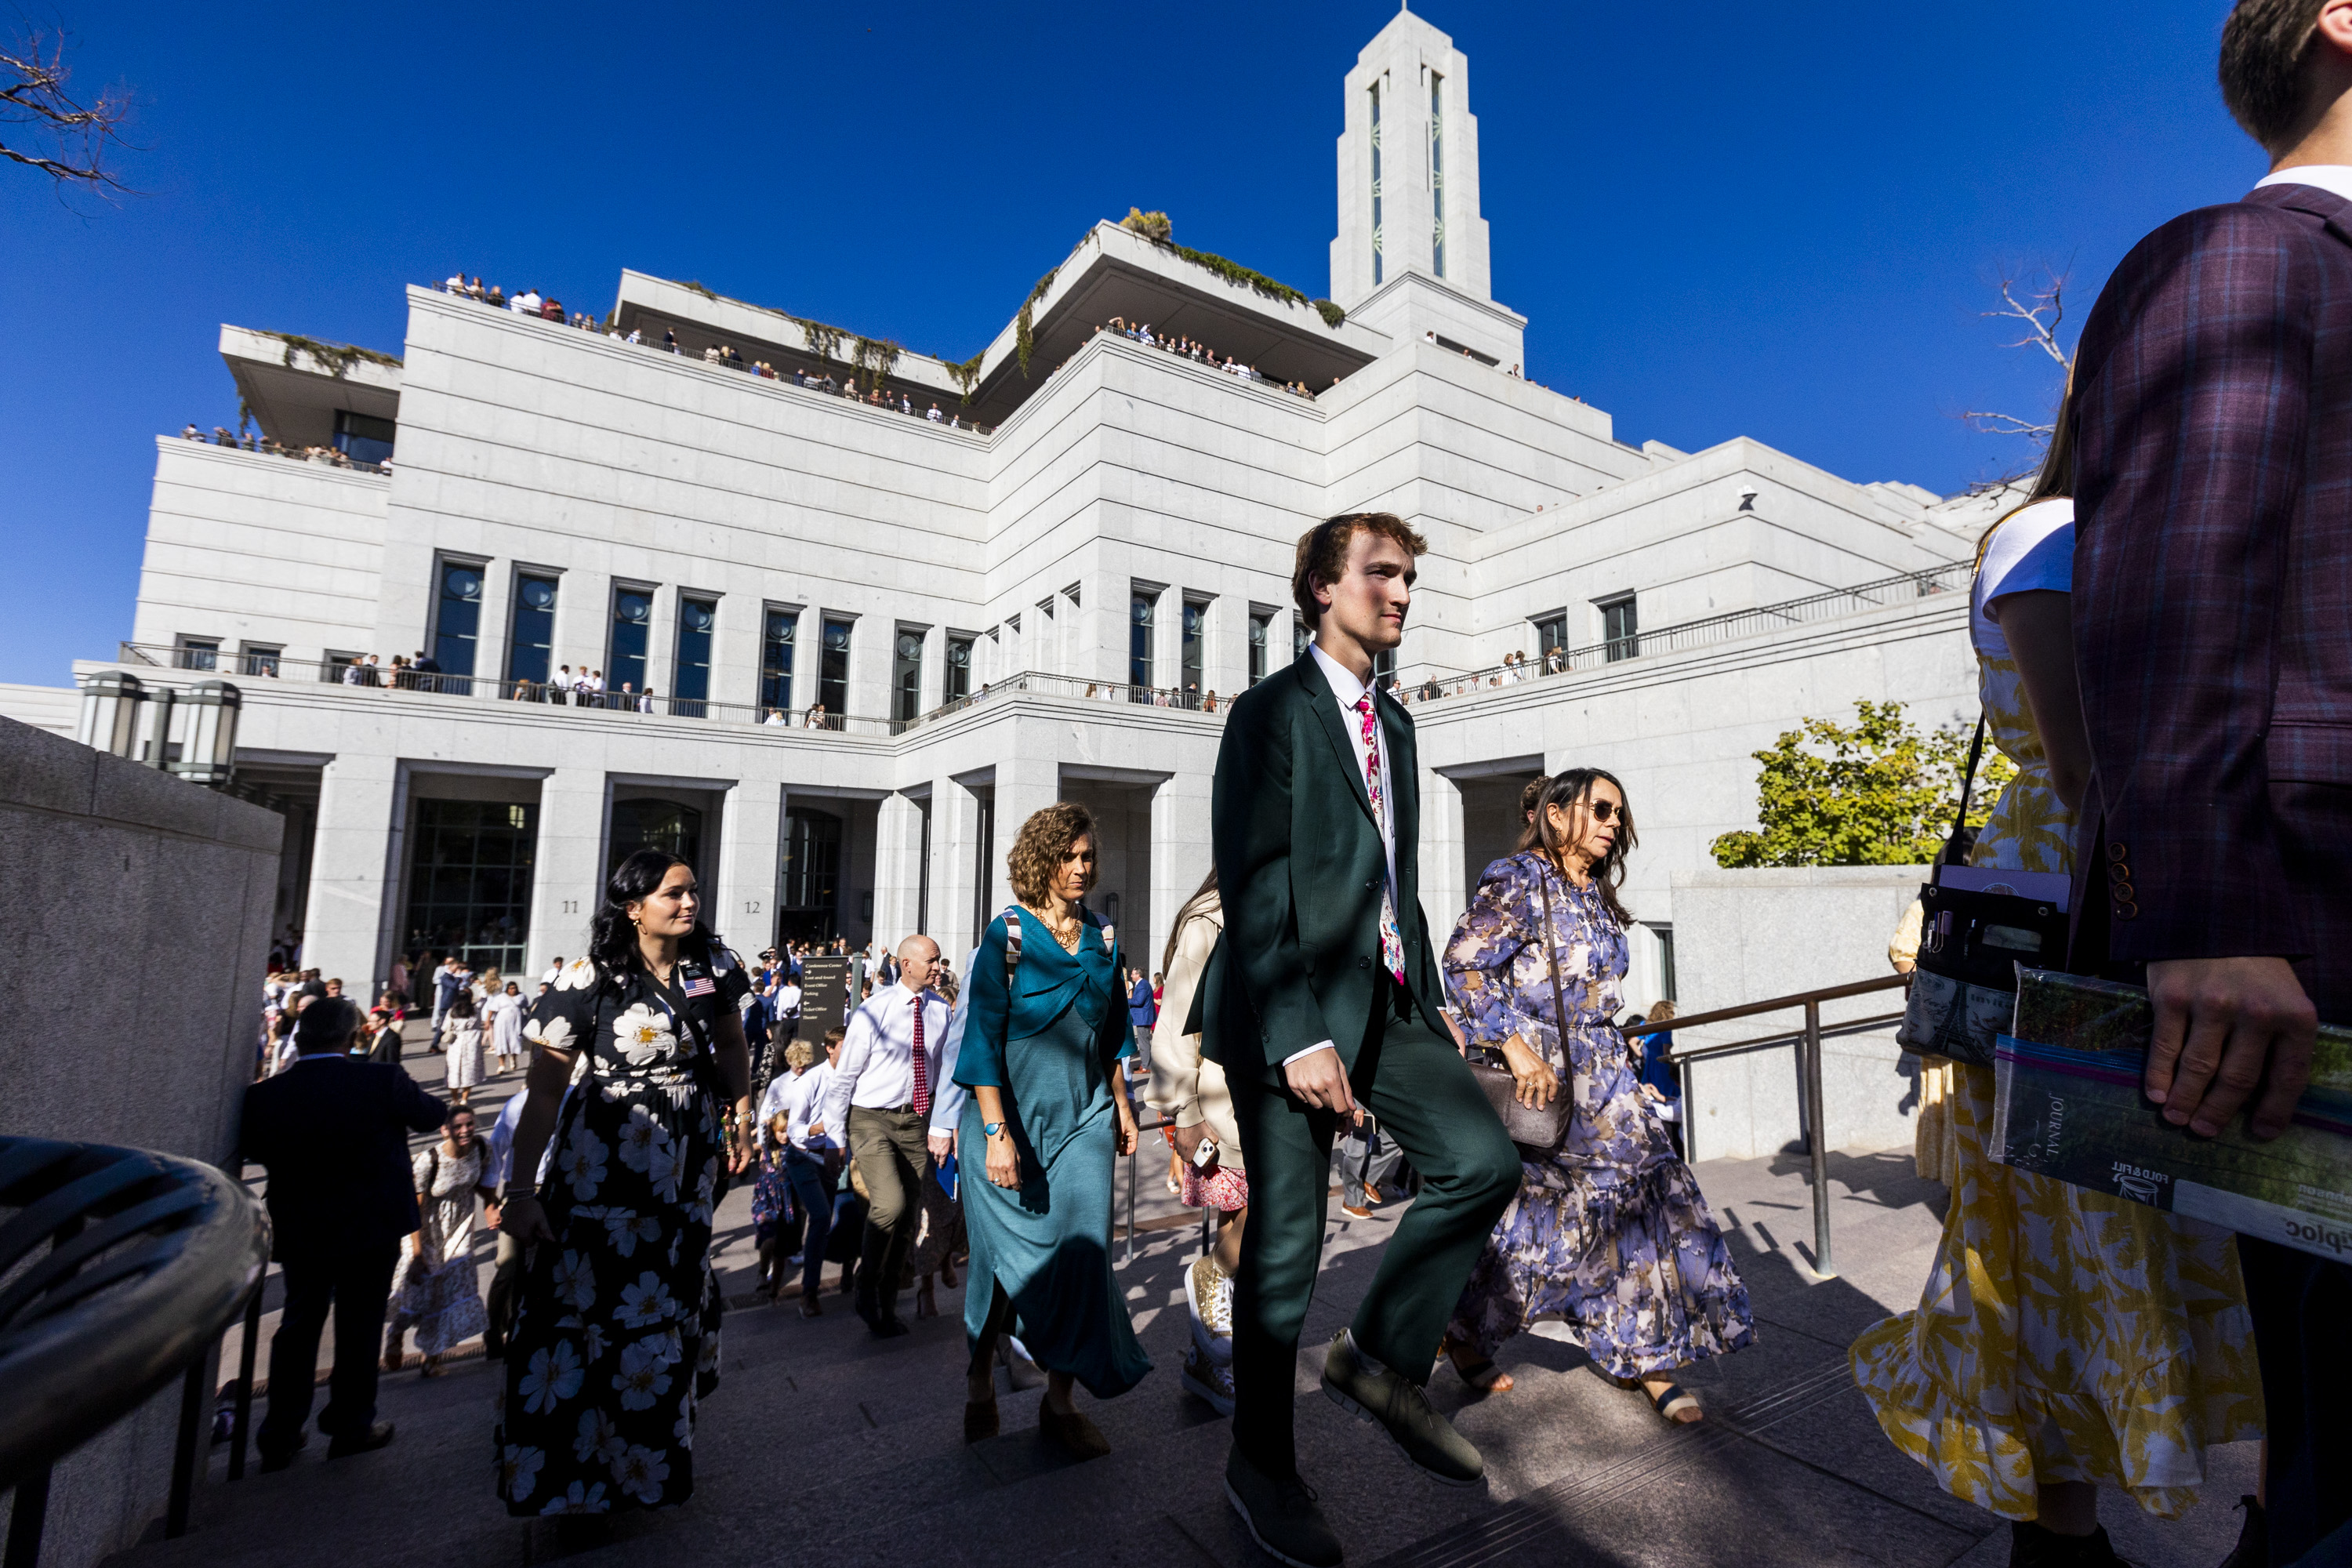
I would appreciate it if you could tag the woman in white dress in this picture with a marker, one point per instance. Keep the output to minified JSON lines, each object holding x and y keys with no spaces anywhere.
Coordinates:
{"x":461,"y":1037}
{"x":435,"y":1290}
{"x":504,"y":1011}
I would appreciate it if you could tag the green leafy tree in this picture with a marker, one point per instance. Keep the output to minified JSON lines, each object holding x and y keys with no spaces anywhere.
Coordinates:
{"x":1879,"y":792}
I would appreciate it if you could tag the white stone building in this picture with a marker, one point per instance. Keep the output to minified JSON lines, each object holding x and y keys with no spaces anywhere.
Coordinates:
{"x":992,"y":611}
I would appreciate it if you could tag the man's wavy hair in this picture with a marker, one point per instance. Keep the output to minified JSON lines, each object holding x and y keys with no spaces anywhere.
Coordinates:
{"x":1042,"y":843}
{"x":2263,"y":44}
{"x":1323,"y":553}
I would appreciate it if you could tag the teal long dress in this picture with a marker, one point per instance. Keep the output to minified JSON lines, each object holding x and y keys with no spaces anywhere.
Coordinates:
{"x":1050,"y":1044}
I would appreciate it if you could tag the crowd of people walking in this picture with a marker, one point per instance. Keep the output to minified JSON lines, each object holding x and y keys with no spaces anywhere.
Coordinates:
{"x":2066,"y":1341}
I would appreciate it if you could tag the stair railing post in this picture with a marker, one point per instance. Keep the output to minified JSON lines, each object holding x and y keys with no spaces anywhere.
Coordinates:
{"x":1819,"y":1141}
{"x":184,"y":1458}
{"x":244,"y":1417}
{"x":28,"y":1511}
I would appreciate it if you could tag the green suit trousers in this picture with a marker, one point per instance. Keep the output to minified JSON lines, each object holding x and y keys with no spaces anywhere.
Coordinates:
{"x":1411,"y":1077}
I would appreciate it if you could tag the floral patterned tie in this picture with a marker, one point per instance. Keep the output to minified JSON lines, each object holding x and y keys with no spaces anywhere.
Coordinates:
{"x":1391,"y":944}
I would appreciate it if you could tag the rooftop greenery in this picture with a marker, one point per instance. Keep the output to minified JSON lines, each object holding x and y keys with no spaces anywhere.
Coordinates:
{"x":339,"y":357}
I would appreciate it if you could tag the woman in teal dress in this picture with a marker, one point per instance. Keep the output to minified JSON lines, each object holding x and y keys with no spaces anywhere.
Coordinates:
{"x":1047,"y":1027}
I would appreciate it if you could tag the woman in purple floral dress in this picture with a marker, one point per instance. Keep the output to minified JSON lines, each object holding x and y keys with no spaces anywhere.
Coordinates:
{"x":1608,"y":1234}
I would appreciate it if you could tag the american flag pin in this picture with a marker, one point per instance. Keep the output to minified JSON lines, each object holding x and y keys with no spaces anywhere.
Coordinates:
{"x":700,"y":986}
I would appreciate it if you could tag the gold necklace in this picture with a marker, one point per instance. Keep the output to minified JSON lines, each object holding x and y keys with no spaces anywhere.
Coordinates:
{"x":1068,"y":944}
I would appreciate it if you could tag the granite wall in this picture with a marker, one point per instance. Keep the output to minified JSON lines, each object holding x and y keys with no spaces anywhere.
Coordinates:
{"x":130,"y":968}
{"x":1746,"y":936}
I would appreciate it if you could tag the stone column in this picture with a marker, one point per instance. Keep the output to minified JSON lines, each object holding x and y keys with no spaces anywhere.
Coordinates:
{"x":898,"y":841}
{"x":743,"y":910}
{"x":1443,"y":891}
{"x":955,"y":814}
{"x":345,"y":927}
{"x":569,"y":882}
{"x":1028,"y":780}
{"x":1180,"y":852}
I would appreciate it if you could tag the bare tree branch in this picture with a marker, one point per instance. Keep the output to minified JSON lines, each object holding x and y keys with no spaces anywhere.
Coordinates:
{"x":2041,"y":308}
{"x":48,"y":127}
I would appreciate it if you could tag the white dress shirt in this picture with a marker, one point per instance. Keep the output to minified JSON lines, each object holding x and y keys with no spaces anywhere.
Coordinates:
{"x":2336,"y":179}
{"x":800,"y":1101}
{"x":877,"y":1066}
{"x":1350,"y":691}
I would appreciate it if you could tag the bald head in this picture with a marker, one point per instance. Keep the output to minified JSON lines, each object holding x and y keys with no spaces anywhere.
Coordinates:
{"x":917,"y":956}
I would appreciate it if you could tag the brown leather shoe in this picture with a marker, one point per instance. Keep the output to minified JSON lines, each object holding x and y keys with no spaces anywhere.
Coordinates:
{"x":812,"y":1307}
{"x":1077,"y":1437}
{"x":980,"y":1419}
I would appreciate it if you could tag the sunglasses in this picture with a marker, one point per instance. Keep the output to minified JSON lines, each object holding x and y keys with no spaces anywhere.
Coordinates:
{"x":1602,"y":810}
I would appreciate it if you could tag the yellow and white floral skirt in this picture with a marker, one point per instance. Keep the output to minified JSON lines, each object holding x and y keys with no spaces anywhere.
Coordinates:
{"x":2064,"y":1335}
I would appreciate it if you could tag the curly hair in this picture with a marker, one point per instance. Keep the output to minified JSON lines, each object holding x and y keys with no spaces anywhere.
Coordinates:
{"x":1042,"y":845}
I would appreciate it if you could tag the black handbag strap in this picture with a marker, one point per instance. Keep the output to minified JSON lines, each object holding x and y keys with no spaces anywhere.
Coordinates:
{"x":1551,"y":955}
{"x":1968,"y":783}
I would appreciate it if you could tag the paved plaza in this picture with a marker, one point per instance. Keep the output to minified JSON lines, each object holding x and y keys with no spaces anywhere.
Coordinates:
{"x":822,"y":1446}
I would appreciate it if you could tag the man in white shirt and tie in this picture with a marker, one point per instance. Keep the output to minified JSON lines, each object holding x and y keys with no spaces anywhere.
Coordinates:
{"x":884,"y":1095}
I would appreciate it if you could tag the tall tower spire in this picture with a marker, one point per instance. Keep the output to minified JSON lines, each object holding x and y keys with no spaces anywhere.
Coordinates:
{"x":1409,"y":167}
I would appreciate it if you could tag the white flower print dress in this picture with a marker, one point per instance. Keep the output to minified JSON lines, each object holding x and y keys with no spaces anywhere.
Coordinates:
{"x":616,"y":1336}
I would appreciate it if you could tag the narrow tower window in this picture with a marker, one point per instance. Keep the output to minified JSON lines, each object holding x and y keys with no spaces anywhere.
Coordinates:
{"x":1376,"y":183}
{"x":1437,"y":172}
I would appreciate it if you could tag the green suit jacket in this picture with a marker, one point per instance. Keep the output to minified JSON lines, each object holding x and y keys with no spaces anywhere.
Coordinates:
{"x":1300,"y":869}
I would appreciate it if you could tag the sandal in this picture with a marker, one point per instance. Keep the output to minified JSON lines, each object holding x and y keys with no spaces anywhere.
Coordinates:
{"x":1672,"y":1400}
{"x":1479,"y":1372}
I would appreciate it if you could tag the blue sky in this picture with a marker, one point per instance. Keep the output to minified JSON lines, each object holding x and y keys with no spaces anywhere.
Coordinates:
{"x":1720,"y":220}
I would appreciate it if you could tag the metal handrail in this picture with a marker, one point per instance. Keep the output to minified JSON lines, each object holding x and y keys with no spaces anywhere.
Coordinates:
{"x":123,"y":1267}
{"x":1808,"y":1042}
{"x":1432,"y":683}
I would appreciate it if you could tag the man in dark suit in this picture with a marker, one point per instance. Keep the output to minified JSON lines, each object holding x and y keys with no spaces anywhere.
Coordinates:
{"x":1322,"y":995}
{"x":2213,"y":604}
{"x":333,"y":1131}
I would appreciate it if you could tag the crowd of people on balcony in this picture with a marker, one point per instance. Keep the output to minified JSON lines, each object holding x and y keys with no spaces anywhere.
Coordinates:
{"x":253,"y":441}
{"x":1185,"y":347}
{"x":1516,"y":667}
{"x":724,"y":355}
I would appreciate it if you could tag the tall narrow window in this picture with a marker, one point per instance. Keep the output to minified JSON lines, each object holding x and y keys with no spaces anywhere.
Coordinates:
{"x":1385,"y":670}
{"x":529,"y":647}
{"x":776,"y":659}
{"x":198,"y":653}
{"x":1551,"y":641}
{"x":1141,"y":618}
{"x":833,"y":671}
{"x":1196,"y":624}
{"x":907,"y":676}
{"x":689,"y":688}
{"x":983,"y":845}
{"x":633,"y":627}
{"x":1299,"y":637}
{"x":1376,"y":183}
{"x":923,"y":868}
{"x":959,"y":668}
{"x":1619,"y":629}
{"x":1437,"y":172}
{"x":1260,"y":628}
{"x":457,"y":622}
{"x":363,"y":438}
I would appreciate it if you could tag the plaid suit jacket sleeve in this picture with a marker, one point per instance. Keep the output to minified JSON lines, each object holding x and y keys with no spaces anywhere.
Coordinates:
{"x":2194,"y":383}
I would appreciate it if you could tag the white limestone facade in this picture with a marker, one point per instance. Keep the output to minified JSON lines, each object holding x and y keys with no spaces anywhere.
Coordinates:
{"x":969,"y":603}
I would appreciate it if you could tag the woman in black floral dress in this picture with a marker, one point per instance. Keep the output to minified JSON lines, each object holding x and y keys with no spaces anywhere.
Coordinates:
{"x":616,"y":1336}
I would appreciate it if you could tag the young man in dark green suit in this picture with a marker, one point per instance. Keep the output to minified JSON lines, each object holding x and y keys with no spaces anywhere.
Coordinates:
{"x":1323,"y":995}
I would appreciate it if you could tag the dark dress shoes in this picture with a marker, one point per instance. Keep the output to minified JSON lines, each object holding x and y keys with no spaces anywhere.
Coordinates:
{"x":1399,"y":1407}
{"x":1281,"y":1515}
{"x":376,"y":1437}
{"x":275,"y":1459}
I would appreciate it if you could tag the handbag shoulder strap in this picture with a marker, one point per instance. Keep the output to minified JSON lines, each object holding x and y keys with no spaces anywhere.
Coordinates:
{"x":1012,"y":944}
{"x":1551,"y":955}
{"x":1968,"y":783}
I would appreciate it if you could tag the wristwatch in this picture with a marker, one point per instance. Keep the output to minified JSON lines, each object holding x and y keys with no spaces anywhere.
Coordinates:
{"x":991,"y":1128}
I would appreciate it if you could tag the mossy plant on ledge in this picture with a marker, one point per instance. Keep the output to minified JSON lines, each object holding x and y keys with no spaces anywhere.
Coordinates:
{"x":966,"y":376}
{"x":1156,"y":227}
{"x":1025,"y":339}
{"x":698,"y":287}
{"x":338,"y":357}
{"x":1331,"y":313}
{"x":874,"y":358}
